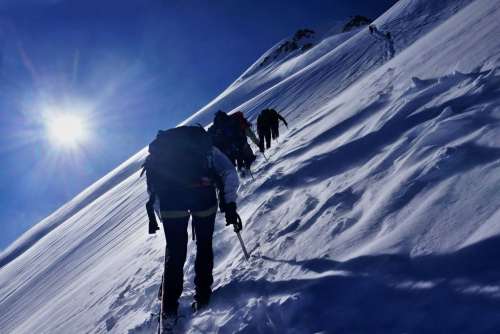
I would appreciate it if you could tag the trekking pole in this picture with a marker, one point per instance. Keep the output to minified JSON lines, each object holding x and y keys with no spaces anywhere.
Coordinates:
{"x":285,"y":125}
{"x":247,"y":256}
{"x":251,"y":174}
{"x":265,"y":156}
{"x":161,"y":293}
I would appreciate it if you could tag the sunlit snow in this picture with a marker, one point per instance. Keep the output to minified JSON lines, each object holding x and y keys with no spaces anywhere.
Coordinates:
{"x":377,"y":211}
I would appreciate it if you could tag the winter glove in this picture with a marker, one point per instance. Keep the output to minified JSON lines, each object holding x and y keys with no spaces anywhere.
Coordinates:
{"x":222,"y":206}
{"x":232,"y":217}
{"x":222,"y":201}
{"x":153,"y":224}
{"x":153,"y":227}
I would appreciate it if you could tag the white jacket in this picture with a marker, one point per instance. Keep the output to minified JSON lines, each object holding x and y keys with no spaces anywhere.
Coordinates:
{"x":226,"y":170}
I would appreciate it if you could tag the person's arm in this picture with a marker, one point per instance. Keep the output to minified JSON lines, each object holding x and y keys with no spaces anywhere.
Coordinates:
{"x":223,"y":166}
{"x":252,"y":136}
{"x":282,"y":119}
{"x":225,"y":169}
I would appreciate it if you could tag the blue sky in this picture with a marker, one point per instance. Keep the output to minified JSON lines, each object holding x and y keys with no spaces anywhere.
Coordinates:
{"x":127,"y":68}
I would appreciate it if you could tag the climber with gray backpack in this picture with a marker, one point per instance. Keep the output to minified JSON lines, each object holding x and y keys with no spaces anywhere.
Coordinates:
{"x":184,"y":172}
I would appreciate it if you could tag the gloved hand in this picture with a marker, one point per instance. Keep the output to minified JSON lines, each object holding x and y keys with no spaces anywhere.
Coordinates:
{"x":153,"y":227}
{"x":222,"y":206}
{"x":232,"y":217}
{"x":222,"y":202}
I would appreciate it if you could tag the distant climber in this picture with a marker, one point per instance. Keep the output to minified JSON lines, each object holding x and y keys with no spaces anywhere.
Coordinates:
{"x":371,"y":29}
{"x":242,"y":129}
{"x":229,"y":134}
{"x":182,"y":170}
{"x":267,"y":126}
{"x":388,"y":35}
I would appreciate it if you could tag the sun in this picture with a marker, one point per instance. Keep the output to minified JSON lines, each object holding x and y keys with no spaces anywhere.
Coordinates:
{"x":66,"y":129}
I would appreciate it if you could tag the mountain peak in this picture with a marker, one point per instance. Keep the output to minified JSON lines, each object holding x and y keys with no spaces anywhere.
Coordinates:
{"x":356,"y":22}
{"x":296,"y":43}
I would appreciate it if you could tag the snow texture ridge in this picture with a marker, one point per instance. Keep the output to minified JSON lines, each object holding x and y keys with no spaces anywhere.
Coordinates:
{"x":377,"y":211}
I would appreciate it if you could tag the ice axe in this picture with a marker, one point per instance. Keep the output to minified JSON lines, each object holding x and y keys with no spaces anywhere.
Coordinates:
{"x":247,"y":256}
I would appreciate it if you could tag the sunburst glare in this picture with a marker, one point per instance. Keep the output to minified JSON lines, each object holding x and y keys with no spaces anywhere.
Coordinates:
{"x":66,"y":129}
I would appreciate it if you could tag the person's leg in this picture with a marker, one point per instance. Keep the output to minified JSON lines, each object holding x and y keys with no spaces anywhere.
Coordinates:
{"x":204,"y":263}
{"x":248,"y":155}
{"x":177,"y":240}
{"x":274,"y":131}
{"x":261,"y":141}
{"x":175,"y":219}
{"x":239,"y":160}
{"x":233,"y":157}
{"x":268,"y":139}
{"x":204,"y":211}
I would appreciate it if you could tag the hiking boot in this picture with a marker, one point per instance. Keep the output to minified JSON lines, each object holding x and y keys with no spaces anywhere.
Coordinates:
{"x":199,"y":306}
{"x":201,"y":301}
{"x":261,"y":147}
{"x":169,"y":320}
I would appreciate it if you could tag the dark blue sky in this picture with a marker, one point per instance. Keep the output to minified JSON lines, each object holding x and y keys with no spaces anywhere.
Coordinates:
{"x":128,"y":68}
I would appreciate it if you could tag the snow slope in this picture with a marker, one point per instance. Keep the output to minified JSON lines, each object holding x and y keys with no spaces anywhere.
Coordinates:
{"x":377,"y":211}
{"x":338,"y":59}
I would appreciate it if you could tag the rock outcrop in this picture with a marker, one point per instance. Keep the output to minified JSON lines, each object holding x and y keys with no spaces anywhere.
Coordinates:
{"x":356,"y":22}
{"x":294,"y":44}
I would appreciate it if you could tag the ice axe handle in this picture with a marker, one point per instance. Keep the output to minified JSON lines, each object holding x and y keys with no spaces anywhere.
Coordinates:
{"x":241,"y":240}
{"x":247,"y":256}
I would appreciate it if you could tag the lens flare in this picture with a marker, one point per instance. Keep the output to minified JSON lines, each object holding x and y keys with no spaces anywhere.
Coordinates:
{"x":66,"y":129}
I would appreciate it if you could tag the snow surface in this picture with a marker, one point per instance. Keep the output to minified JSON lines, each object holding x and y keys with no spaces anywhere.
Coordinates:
{"x":378,"y":211}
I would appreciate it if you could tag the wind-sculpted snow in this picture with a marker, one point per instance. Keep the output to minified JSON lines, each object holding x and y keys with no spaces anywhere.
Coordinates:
{"x":377,"y":211}
{"x":336,"y":62}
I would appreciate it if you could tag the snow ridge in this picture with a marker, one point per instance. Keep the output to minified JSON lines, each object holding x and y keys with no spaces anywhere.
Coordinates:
{"x":376,"y":212}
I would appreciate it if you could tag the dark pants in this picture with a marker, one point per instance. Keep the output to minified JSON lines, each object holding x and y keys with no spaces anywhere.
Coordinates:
{"x":242,"y":156}
{"x":234,"y":157}
{"x":275,"y":131}
{"x":267,"y":136}
{"x":202,"y":205}
{"x":247,"y":155}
